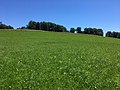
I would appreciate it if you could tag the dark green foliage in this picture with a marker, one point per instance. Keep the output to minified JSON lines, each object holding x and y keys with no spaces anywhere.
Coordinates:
{"x":93,"y":31}
{"x":3,"y":26}
{"x":72,"y":30}
{"x":23,"y":27}
{"x":43,"y":26}
{"x":109,"y":34}
{"x":0,"y":22}
{"x":31,"y":25}
{"x":37,"y":26}
{"x":100,"y":32}
{"x":118,"y":35}
{"x":79,"y":30}
{"x":113,"y":34}
{"x":47,"y":26}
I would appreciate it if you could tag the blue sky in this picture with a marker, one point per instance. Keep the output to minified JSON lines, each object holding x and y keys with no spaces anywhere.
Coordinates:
{"x":103,"y":14}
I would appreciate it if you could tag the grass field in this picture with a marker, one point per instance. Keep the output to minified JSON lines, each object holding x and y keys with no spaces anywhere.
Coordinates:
{"x":31,"y":60}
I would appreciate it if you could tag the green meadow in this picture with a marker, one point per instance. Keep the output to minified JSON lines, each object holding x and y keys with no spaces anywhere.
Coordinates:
{"x":37,"y":60}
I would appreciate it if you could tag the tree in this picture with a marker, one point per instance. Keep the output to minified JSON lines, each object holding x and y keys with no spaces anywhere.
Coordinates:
{"x":23,"y":27}
{"x":118,"y":35}
{"x":47,"y":26}
{"x":37,"y":26}
{"x":44,"y":26}
{"x":31,"y":25}
{"x":113,"y":34}
{"x":0,"y":23}
{"x":72,"y":30}
{"x":100,"y":32}
{"x":88,"y":31}
{"x":79,"y":30}
{"x":109,"y":34}
{"x":93,"y":31}
{"x":9,"y":27}
{"x":3,"y":26}
{"x":60,"y":28}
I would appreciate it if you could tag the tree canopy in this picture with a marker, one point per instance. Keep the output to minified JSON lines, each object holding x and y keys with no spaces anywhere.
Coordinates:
{"x":93,"y":31}
{"x":113,"y":34}
{"x":72,"y":30}
{"x":3,"y":26}
{"x":47,"y":26}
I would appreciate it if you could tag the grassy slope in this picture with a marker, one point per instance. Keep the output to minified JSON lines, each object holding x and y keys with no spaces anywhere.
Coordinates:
{"x":58,"y":61}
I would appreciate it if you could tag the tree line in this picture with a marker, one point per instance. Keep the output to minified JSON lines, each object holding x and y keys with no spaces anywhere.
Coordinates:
{"x":93,"y":31}
{"x":4,"y":26}
{"x":113,"y":34}
{"x":49,"y":26}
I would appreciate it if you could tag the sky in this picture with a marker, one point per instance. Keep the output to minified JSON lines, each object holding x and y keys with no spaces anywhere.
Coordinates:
{"x":103,"y":14}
